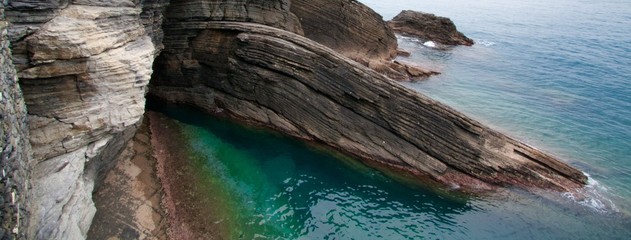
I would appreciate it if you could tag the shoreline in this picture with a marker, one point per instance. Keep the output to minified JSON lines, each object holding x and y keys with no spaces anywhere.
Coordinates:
{"x":188,"y":211}
{"x":129,"y":201}
{"x":185,"y":199}
{"x":153,"y":191}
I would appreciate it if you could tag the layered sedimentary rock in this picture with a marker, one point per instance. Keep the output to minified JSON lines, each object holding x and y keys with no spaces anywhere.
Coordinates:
{"x":15,"y":150}
{"x":356,"y":31}
{"x":348,"y":27}
{"x":83,"y":67}
{"x":428,"y":27}
{"x":274,"y":13}
{"x":282,"y":80}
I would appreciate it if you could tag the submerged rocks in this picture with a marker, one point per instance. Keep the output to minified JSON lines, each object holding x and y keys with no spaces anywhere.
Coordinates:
{"x":428,"y":27}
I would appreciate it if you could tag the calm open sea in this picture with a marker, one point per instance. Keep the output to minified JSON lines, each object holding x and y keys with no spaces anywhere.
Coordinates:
{"x":555,"y":74}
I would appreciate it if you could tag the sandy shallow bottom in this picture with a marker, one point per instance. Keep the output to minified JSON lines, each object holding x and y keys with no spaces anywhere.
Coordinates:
{"x":154,"y":192}
{"x":192,"y":213}
{"x":129,"y":201}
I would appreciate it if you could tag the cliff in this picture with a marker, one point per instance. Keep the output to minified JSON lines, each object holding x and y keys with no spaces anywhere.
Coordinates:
{"x":357,"y":32}
{"x":16,"y":151}
{"x":84,"y":67}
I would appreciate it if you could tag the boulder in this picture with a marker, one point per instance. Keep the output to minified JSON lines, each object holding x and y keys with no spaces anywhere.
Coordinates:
{"x":428,"y":27}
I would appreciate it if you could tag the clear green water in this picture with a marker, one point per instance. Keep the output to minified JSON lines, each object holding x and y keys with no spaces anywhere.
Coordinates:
{"x":279,"y":188}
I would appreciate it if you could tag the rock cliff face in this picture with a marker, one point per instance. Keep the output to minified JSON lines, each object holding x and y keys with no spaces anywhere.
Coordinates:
{"x":274,"y":13}
{"x":357,"y":32}
{"x":14,"y":146}
{"x":428,"y":27}
{"x":348,"y":27}
{"x":83,"y":67}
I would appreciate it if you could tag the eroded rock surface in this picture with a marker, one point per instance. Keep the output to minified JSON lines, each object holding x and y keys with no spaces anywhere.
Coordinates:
{"x":15,"y":150}
{"x":273,"y":13}
{"x":83,"y":67}
{"x":348,"y":27}
{"x":282,"y":80}
{"x":357,"y":32}
{"x":428,"y":27}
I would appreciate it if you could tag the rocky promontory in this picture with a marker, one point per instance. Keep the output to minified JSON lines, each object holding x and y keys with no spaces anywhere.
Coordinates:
{"x":428,"y":27}
{"x":84,"y":67}
{"x":287,"y":82}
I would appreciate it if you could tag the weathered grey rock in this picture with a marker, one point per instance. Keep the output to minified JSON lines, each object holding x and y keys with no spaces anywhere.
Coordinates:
{"x":428,"y":27}
{"x":356,"y":31}
{"x":15,"y":150}
{"x":284,"y":81}
{"x":273,"y":13}
{"x":346,"y":26}
{"x":84,"y":73}
{"x":151,"y":17}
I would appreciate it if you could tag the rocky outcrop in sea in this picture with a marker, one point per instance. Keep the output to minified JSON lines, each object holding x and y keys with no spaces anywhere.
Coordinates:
{"x":84,"y":67}
{"x":428,"y":27}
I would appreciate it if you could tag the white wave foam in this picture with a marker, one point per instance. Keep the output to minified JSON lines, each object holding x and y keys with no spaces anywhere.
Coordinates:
{"x":430,"y":44}
{"x":485,"y":43}
{"x":593,"y":196}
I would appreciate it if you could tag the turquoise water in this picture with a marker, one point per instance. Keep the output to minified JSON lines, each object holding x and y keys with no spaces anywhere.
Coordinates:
{"x":552,"y":73}
{"x":556,"y":74}
{"x":280,"y":188}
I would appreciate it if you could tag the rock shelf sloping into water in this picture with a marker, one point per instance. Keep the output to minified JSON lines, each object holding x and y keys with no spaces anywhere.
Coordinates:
{"x":282,"y":80}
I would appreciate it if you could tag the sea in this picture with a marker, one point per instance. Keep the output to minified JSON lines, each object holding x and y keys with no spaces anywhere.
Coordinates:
{"x":554,"y":74}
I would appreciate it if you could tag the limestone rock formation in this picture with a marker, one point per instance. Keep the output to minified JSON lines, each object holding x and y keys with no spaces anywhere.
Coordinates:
{"x":356,"y":31}
{"x":83,"y":67}
{"x":428,"y":27}
{"x":284,"y":81}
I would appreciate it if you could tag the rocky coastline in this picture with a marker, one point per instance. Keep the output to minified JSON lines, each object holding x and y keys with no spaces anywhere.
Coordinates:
{"x":84,"y":68}
{"x":428,"y":27}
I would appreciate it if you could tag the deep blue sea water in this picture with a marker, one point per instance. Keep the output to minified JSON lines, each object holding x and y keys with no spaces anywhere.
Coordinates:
{"x":552,"y":73}
{"x":556,"y":74}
